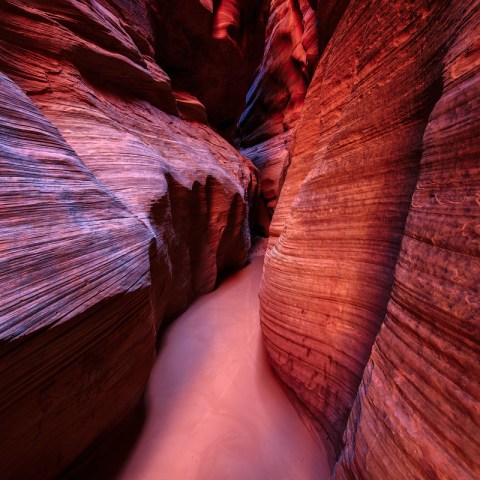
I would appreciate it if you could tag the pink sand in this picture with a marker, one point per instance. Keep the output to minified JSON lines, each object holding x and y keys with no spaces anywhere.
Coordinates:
{"x":215,"y":410}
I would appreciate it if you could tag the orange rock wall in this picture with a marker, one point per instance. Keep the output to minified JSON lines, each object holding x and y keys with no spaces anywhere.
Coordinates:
{"x":362,"y":153}
{"x":120,"y":204}
{"x":416,"y":413}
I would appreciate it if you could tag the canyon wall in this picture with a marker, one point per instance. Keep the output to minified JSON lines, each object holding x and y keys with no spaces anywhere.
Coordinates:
{"x":417,"y":411}
{"x":121,"y":202}
{"x":211,"y":49}
{"x":275,"y":99}
{"x":115,"y":212}
{"x":297,"y":33}
{"x":377,"y":223}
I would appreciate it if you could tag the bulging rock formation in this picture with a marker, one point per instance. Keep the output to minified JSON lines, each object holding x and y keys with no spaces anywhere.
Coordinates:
{"x":77,"y":334}
{"x":275,"y":99}
{"x":115,"y":214}
{"x":121,"y":201}
{"x":387,"y":132}
{"x":417,"y":411}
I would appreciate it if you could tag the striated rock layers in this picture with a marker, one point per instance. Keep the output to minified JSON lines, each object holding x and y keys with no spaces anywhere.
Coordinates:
{"x":417,"y":412}
{"x":115,"y":213}
{"x":384,"y":178}
{"x":77,"y":329}
{"x":295,"y":36}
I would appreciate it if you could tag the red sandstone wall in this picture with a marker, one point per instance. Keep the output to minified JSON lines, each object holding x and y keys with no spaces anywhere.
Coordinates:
{"x":416,"y":413}
{"x":115,"y":213}
{"x":297,"y":33}
{"x":387,"y":131}
{"x":275,"y":100}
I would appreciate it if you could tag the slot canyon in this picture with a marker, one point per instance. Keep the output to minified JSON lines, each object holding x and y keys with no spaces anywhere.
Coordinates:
{"x":240,"y":239}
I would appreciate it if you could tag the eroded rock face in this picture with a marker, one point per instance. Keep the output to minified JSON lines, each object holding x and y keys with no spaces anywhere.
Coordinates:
{"x":297,"y":33}
{"x":340,"y":221}
{"x":116,"y":213}
{"x":291,"y":54}
{"x":77,"y":333}
{"x":211,"y":48}
{"x":275,"y":99}
{"x":416,"y":414}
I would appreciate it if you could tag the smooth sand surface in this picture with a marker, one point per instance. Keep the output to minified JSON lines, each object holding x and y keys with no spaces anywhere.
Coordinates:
{"x":215,"y":410}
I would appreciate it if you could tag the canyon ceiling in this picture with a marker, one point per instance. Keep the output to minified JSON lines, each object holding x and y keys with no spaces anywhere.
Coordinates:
{"x":141,"y":142}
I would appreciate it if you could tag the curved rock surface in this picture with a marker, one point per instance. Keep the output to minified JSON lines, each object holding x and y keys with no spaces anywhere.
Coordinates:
{"x":275,"y":100}
{"x":77,"y":335}
{"x":417,"y":411}
{"x":119,"y":205}
{"x":115,"y":215}
{"x":340,"y":219}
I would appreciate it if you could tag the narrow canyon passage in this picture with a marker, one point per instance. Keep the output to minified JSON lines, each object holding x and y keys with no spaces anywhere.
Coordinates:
{"x":215,"y":410}
{"x":146,"y":146}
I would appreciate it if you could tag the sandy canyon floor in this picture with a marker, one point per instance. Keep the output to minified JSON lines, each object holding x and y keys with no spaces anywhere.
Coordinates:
{"x":215,"y":410}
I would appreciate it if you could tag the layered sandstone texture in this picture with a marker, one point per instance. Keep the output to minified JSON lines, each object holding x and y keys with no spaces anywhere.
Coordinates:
{"x":384,"y":178}
{"x":417,"y":412}
{"x":297,"y":32}
{"x":115,"y":213}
